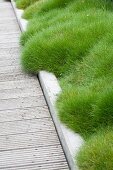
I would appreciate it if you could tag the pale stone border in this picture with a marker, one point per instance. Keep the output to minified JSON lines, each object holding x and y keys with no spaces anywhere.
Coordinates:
{"x":70,"y":141}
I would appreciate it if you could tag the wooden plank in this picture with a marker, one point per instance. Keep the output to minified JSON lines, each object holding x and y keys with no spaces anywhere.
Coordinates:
{"x":7,"y":39}
{"x":18,"y":93}
{"x":4,"y":57}
{"x":33,"y":156}
{"x":9,"y":28}
{"x":11,"y":69}
{"x":61,"y":165}
{"x":21,"y":84}
{"x":26,"y":126}
{"x":6,"y":13}
{"x":24,"y":114}
{"x":8,"y":45}
{"x":9,"y":36}
{"x":10,"y":51}
{"x":7,"y":63}
{"x":7,"y":7}
{"x":28,"y":140}
{"x":5,"y":2}
{"x":24,"y":102}
{"x":14,"y":77}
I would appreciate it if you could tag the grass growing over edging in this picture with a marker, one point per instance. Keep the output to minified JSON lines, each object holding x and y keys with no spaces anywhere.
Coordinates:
{"x":31,"y":10}
{"x":44,"y":6}
{"x":22,"y":4}
{"x":60,"y":16}
{"x":75,"y":6}
{"x":92,"y":79}
{"x":73,"y":106}
{"x":38,"y":24}
{"x":57,"y":46}
{"x":86,"y":109}
{"x":46,"y":50}
{"x":97,"y":153}
{"x":76,"y":44}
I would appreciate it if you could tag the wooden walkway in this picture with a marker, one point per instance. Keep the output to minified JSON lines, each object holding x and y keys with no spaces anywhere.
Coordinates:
{"x":28,"y":139}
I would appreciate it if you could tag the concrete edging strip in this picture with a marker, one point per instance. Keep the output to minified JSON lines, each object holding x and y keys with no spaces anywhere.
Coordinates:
{"x":70,"y":141}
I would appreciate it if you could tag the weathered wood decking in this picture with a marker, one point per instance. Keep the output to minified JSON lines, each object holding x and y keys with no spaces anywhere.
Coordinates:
{"x":28,"y":139}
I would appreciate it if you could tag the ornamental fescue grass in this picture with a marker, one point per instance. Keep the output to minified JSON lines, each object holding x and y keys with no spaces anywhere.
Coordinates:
{"x":92,"y":79}
{"x":44,"y":6}
{"x":57,"y":43}
{"x":30,"y":10}
{"x":74,"y":40}
{"x":22,"y":4}
{"x":97,"y":153}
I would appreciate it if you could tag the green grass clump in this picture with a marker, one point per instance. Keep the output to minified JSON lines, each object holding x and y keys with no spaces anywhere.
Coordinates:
{"x":58,"y":47}
{"x":78,"y":5}
{"x":61,"y":16}
{"x":86,"y":109}
{"x":44,"y":6}
{"x":75,"y":110}
{"x":57,"y":16}
{"x":92,"y":79}
{"x":104,"y":108}
{"x":22,"y":4}
{"x":97,"y":152}
{"x":32,"y":9}
{"x":38,"y":24}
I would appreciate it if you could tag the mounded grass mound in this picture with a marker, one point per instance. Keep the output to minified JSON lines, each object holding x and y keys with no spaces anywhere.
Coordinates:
{"x":75,"y":6}
{"x":78,"y":5}
{"x":97,"y":153}
{"x":58,"y":47}
{"x":92,"y":81}
{"x":75,"y":110}
{"x":87,"y":109}
{"x":38,"y":24}
{"x":44,"y":6}
{"x":32,"y":9}
{"x":22,"y":4}
{"x":56,"y":16}
{"x":104,"y":108}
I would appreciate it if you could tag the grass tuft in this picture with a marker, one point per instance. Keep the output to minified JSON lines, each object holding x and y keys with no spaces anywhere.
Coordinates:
{"x":61,"y":45}
{"x":97,"y":152}
{"x":22,"y":4}
{"x":91,"y":76}
{"x":44,"y":6}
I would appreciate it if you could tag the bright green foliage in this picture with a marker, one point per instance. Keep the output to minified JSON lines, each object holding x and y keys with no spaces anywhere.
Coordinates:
{"x":32,"y":9}
{"x":79,"y":5}
{"x":44,"y":6}
{"x":78,"y":48}
{"x":75,"y":107}
{"x":61,"y":16}
{"x":75,"y":6}
{"x":24,"y":3}
{"x":97,"y":153}
{"x":91,"y":77}
{"x":39,"y":23}
{"x":64,"y":43}
{"x":74,"y":40}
